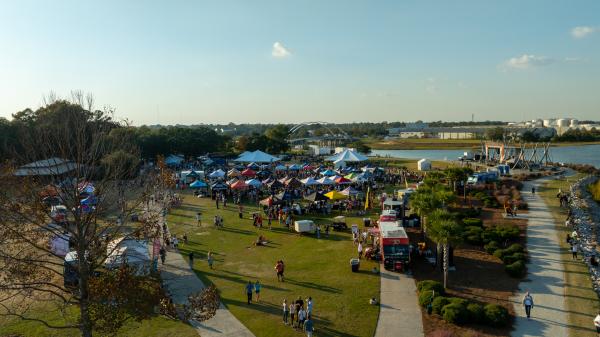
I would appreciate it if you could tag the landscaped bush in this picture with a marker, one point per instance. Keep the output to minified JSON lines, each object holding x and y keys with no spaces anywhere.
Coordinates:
{"x":459,"y":301}
{"x":438,"y":303}
{"x":472,"y":235}
{"x":470,"y":212}
{"x":472,"y":222}
{"x":500,"y":233}
{"x":455,"y":313}
{"x":499,"y":253}
{"x":495,"y":315}
{"x":491,"y":247}
{"x":476,"y":313}
{"x":516,"y":269}
{"x":430,"y":285}
{"x":510,"y":259}
{"x":515,"y":248}
{"x":425,"y":298}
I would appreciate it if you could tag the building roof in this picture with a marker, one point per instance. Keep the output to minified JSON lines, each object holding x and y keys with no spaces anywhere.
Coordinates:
{"x":46,"y":167}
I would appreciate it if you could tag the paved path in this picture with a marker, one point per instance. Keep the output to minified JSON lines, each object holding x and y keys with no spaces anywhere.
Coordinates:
{"x":545,"y":275}
{"x":399,"y":313}
{"x":181,"y":281}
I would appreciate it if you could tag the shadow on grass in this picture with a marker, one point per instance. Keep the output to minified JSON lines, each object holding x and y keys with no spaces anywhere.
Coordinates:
{"x":315,"y":286}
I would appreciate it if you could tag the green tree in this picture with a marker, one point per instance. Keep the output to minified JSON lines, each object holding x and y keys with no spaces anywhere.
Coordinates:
{"x":444,"y":230}
{"x":496,"y":133}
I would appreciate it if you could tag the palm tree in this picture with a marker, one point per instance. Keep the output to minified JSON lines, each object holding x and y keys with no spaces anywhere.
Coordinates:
{"x":424,"y":201}
{"x":444,"y":230}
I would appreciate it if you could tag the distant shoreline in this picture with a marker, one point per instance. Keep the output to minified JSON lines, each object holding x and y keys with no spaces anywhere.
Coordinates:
{"x":444,"y":144}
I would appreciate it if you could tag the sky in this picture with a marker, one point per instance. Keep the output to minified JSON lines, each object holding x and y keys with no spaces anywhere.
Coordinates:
{"x":285,"y":61}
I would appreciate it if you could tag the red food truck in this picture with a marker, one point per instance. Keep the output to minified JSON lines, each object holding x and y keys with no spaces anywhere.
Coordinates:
{"x":395,"y":252}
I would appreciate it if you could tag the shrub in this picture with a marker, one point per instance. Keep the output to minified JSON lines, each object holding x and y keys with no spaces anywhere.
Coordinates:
{"x":473,"y":235}
{"x":472,"y":222}
{"x":475,"y":311}
{"x":499,"y":253}
{"x":459,"y":301}
{"x":425,"y":298}
{"x":515,"y":248}
{"x":490,"y":235}
{"x":438,"y":303}
{"x":491,"y":247}
{"x":516,"y":269}
{"x":455,"y":313}
{"x":508,"y":232}
{"x":430,"y":285}
{"x":510,"y":259}
{"x":496,"y":315}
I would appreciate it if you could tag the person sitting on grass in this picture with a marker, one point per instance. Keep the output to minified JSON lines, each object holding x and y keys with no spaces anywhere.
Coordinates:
{"x":261,"y":241}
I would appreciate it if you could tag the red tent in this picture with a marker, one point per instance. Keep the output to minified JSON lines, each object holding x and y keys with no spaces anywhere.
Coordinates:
{"x":248,"y":173}
{"x":342,"y":180}
{"x":239,"y":185}
{"x":307,"y":168}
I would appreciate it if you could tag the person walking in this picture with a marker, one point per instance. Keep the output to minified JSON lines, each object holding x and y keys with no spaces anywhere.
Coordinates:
{"x":292,"y":313}
{"x":532,"y":189}
{"x":249,"y":290}
{"x":301,"y":318}
{"x":240,"y":211}
{"x":163,"y":254}
{"x":199,"y":219}
{"x":209,"y":259}
{"x":309,"y":306}
{"x":191,"y":258}
{"x":286,"y":312}
{"x":257,"y":287}
{"x":528,"y":304}
{"x":279,"y":270}
{"x":574,"y":249}
{"x":308,"y":326}
{"x":597,"y":324}
{"x":360,"y":250}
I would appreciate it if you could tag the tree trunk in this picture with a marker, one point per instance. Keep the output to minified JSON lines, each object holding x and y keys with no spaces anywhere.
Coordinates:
{"x":85,"y":321}
{"x":439,"y":255}
{"x":446,"y":265}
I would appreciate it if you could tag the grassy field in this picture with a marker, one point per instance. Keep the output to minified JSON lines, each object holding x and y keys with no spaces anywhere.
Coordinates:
{"x":158,"y":326}
{"x":422,"y":144}
{"x":581,"y":301}
{"x":410,"y":164}
{"x":595,"y":190}
{"x":314,"y":267}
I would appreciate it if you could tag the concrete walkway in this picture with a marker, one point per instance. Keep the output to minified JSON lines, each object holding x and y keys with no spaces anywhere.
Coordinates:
{"x":399,"y":313}
{"x":181,"y":281}
{"x":545,"y":275}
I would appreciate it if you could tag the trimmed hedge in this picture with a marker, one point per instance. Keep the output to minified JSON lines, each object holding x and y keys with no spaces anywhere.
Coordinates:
{"x":476,"y":313}
{"x":438,"y":303}
{"x":495,"y":315}
{"x":425,"y":285}
{"x":455,"y":313}
{"x":491,"y":247}
{"x":510,"y":259}
{"x":472,"y":222}
{"x":515,"y":269}
{"x":425,"y":298}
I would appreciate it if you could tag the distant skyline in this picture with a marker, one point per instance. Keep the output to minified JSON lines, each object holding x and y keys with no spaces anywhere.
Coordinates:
{"x":192,"y":62}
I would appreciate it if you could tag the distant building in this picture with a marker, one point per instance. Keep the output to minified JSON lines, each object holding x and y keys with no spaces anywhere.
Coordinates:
{"x":423,"y":131}
{"x":47,"y":167}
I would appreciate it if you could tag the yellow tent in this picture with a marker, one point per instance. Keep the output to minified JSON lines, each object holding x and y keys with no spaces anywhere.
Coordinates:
{"x":335,"y":195}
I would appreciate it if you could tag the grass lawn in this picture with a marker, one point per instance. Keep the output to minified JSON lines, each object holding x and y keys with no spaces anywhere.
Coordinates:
{"x":314,"y":267}
{"x":157,"y":326}
{"x":422,"y":144}
{"x":410,"y":164}
{"x":581,"y":301}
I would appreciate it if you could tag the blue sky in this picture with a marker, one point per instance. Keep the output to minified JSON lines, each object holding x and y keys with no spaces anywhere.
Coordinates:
{"x":291,"y":61}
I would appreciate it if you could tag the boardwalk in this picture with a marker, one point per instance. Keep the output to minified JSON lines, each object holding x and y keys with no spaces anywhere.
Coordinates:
{"x":545,"y":275}
{"x":399,"y":314}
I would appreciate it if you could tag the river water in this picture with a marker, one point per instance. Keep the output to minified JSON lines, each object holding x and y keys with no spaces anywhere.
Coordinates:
{"x":583,"y":154}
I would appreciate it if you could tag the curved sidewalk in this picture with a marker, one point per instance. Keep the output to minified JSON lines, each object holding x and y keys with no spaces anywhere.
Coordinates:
{"x":545,"y":274}
{"x":399,"y":313}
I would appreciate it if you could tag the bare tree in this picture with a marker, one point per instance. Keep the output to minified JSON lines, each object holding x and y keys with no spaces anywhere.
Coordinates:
{"x":76,"y":144}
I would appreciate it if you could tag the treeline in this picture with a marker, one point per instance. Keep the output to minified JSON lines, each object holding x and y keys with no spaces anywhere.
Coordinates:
{"x":576,"y":135}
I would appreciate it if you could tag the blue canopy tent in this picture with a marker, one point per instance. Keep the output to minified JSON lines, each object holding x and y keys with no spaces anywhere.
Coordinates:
{"x":295,"y":167}
{"x":198,"y":184}
{"x":328,"y":173}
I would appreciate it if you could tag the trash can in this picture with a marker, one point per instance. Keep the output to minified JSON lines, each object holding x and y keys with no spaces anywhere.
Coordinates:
{"x":367,"y":222}
{"x":354,"y":264}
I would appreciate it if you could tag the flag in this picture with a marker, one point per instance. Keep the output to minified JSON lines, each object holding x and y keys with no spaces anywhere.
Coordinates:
{"x":367,"y":205}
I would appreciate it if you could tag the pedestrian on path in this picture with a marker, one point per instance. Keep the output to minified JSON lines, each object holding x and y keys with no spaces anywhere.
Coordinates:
{"x":209,"y":259}
{"x":191,"y":258}
{"x":574,"y":249}
{"x":257,"y":287}
{"x":532,"y":189}
{"x":528,"y":304}
{"x":249,"y":290}
{"x":163,"y":254}
{"x":597,"y":324}
{"x":286,"y":312}
{"x":308,"y":326}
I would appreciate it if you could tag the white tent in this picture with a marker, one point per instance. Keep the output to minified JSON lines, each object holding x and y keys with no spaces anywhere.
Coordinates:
{"x":132,"y":252}
{"x":340,"y":163}
{"x":217,"y":174}
{"x":326,"y":181}
{"x":424,"y":165}
{"x":256,"y":157}
{"x":310,"y":181}
{"x":348,"y":156}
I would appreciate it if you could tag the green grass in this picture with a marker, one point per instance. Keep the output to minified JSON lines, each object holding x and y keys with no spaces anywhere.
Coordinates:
{"x":410,"y":164}
{"x":314,"y":267}
{"x":422,"y":144}
{"x":157,"y":326}
{"x":581,"y":301}
{"x":595,"y":190}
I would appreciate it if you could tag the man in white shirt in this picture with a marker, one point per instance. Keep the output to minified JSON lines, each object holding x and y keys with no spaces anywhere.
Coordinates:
{"x":528,"y":304}
{"x":597,"y":323}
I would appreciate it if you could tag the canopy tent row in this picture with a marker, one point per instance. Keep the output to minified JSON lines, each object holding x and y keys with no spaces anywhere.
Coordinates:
{"x":256,"y":157}
{"x":348,"y":156}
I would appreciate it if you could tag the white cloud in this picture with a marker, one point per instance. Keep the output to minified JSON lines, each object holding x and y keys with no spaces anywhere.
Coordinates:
{"x":280,"y":51}
{"x":431,"y":85}
{"x":582,"y":31}
{"x":527,"y":61}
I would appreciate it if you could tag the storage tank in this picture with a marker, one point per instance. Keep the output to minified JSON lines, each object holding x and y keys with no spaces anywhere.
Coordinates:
{"x":563,"y":122}
{"x":548,"y":122}
{"x":538,"y":123}
{"x":574,"y":123}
